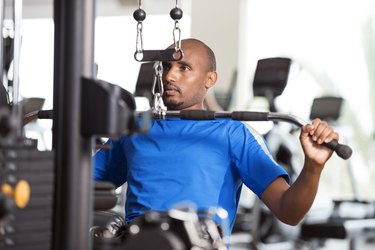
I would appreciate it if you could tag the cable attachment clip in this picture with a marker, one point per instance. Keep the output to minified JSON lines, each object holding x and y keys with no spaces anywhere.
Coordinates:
{"x":139,"y":15}
{"x":176,"y":14}
{"x":159,"y":110}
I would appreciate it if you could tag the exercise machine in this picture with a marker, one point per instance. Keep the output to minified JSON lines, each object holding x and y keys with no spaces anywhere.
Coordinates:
{"x":77,"y":120}
{"x":339,"y":225}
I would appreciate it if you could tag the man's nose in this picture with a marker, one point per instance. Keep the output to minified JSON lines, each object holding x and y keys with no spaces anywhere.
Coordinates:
{"x":171,"y":75}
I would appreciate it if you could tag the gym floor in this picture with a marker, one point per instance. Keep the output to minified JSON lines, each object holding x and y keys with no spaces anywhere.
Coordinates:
{"x":241,"y":241}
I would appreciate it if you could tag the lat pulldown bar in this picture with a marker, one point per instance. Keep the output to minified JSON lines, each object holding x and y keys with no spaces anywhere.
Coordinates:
{"x":341,"y":150}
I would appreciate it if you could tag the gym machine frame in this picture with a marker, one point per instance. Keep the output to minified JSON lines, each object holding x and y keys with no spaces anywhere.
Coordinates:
{"x":77,"y":119}
{"x":73,"y":59}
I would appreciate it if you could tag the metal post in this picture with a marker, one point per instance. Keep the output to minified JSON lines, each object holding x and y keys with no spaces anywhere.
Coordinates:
{"x":17,"y":19}
{"x":17,"y":22}
{"x":73,"y":59}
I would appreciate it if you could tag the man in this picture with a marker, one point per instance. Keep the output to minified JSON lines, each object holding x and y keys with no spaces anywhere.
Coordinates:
{"x":206,"y":162}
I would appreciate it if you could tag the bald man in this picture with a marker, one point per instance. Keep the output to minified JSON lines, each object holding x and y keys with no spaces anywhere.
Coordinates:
{"x":207,"y":162}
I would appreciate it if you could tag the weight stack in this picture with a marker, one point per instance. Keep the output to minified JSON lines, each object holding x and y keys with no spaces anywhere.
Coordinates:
{"x":29,"y":228}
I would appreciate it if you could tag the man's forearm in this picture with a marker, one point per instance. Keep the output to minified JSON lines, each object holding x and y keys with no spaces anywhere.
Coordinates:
{"x":298,"y":199}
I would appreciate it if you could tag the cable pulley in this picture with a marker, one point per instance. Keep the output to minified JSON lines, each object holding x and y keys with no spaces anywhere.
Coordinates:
{"x":176,"y":14}
{"x":174,"y":54}
{"x":158,"y":90}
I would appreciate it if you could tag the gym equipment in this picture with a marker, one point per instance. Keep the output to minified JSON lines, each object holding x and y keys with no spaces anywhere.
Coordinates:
{"x":95,"y":115}
{"x":104,"y":196}
{"x":116,"y":105}
{"x":58,"y":215}
{"x":157,"y":56}
{"x":157,"y":90}
{"x":7,"y":54}
{"x":145,"y":81}
{"x":177,"y":229}
{"x":20,"y":193}
{"x":339,"y":225}
{"x":69,"y":222}
{"x":257,"y":116}
{"x":173,"y":54}
{"x":3,"y":96}
{"x":341,"y":150}
{"x":269,"y":81}
{"x":75,"y":105}
{"x":327,"y":108}
{"x":27,"y":177}
{"x":270,"y":78}
{"x":31,"y":104}
{"x":21,"y":165}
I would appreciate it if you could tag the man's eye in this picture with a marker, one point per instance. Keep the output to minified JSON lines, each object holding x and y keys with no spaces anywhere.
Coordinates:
{"x":184,"y":68}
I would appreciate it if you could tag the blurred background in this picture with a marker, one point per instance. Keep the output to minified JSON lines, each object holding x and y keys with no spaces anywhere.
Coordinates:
{"x":331,"y":45}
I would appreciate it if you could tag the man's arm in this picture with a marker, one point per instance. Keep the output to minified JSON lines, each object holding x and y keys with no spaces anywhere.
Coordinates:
{"x":291,"y":203}
{"x":110,"y":165}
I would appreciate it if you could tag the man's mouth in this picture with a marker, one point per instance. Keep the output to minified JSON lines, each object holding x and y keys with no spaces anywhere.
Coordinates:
{"x":170,"y":89}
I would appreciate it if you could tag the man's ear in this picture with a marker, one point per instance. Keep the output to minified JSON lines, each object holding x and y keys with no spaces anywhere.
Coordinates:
{"x":211,"y":79}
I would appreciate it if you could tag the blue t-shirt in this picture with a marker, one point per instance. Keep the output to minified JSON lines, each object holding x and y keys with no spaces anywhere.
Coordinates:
{"x":202,"y":162}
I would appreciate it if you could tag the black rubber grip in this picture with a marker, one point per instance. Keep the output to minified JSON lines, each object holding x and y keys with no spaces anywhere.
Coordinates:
{"x":341,"y":150}
{"x":250,"y":116}
{"x":197,"y":115}
{"x":45,"y":114}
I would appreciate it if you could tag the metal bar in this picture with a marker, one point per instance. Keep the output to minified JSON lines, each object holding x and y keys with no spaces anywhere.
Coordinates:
{"x":249,"y":116}
{"x":158,"y":55}
{"x":17,"y":18}
{"x":343,"y":151}
{"x":273,"y":116}
{"x":73,"y":59}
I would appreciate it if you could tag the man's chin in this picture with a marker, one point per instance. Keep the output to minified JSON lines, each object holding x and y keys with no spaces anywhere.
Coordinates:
{"x":173,"y":105}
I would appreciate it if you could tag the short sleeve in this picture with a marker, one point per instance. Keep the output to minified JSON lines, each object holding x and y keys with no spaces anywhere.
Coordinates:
{"x":252,"y":158}
{"x":111,"y":164}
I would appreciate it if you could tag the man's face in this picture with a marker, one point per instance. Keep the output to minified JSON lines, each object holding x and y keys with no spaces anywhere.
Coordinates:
{"x":185,"y":81}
